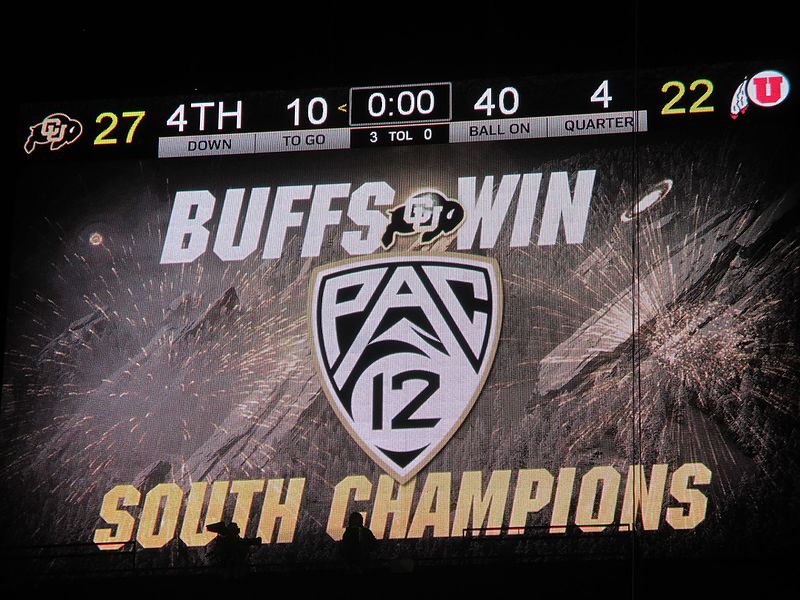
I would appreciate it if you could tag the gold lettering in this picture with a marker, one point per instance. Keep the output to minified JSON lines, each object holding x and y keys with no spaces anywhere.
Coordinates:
{"x":562,"y":500}
{"x":398,"y":506}
{"x":487,"y":509}
{"x":287,"y":511}
{"x":155,"y":532}
{"x":433,"y":508}
{"x":245,"y":489}
{"x":113,"y":515}
{"x":341,"y":499}
{"x":638,"y":493}
{"x":606,"y":481}
{"x":524,"y":503}
{"x":691,"y":516}
{"x":192,"y":533}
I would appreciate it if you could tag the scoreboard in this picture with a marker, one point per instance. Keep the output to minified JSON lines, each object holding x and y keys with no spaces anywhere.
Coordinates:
{"x":525,"y":307}
{"x":396,"y":115}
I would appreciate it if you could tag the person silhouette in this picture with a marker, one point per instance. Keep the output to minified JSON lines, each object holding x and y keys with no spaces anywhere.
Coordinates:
{"x":357,"y":543}
{"x":229,"y":550}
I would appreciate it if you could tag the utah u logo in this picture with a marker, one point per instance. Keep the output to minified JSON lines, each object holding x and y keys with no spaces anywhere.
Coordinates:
{"x":768,"y":88}
{"x":403,"y":345}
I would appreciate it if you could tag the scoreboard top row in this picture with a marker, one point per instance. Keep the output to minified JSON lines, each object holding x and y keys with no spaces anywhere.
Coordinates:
{"x":414,"y":113}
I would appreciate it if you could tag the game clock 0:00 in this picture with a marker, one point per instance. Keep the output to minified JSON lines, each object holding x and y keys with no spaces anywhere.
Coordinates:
{"x":394,"y":104}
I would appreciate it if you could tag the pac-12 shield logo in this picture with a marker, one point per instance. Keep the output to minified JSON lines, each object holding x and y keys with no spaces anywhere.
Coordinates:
{"x":403,"y":345}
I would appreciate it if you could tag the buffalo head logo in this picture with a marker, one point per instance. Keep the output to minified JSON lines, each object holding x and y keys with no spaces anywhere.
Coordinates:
{"x":427,"y":213}
{"x":56,"y":131}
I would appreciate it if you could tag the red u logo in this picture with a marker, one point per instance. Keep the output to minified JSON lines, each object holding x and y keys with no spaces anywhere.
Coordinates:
{"x":767,"y":89}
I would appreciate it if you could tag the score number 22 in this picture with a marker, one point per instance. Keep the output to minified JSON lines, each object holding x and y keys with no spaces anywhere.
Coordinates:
{"x":697,"y":106}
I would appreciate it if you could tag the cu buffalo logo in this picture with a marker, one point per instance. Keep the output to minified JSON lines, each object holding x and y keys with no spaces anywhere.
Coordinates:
{"x":427,"y":213}
{"x":766,"y":89}
{"x":55,"y":131}
{"x":403,"y":346}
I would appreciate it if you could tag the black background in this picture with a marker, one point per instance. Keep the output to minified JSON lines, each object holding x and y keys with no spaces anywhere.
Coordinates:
{"x":194,"y":48}
{"x":143,"y":51}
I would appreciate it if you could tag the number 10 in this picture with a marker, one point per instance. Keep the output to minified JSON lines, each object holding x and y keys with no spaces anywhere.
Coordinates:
{"x":316,"y":113}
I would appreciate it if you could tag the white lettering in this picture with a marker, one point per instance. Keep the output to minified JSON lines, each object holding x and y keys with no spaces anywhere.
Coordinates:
{"x":234,"y":113}
{"x":283,"y":217}
{"x":560,"y":205}
{"x":239,"y":230}
{"x":488,"y":210}
{"x":224,"y":245}
{"x":526,"y":209}
{"x":321,"y":216}
{"x":186,"y":237}
{"x":354,"y":242}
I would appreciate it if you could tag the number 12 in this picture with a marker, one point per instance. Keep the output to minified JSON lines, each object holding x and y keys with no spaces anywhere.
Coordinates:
{"x":403,"y":420}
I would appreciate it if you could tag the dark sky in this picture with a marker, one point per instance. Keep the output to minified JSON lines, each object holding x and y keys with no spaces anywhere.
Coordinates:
{"x":141,"y":53}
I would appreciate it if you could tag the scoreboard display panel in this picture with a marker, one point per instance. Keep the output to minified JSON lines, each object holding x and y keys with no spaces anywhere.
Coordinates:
{"x":527,"y":308}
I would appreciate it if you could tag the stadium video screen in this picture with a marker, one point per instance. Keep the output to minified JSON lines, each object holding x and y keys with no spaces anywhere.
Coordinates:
{"x":524,"y":308}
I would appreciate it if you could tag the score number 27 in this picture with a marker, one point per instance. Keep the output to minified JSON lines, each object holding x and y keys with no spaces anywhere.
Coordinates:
{"x":112,"y":119}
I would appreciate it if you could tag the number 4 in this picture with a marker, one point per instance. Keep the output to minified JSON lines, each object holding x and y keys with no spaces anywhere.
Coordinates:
{"x":485,"y":102}
{"x":178,"y":118}
{"x":601,"y":94}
